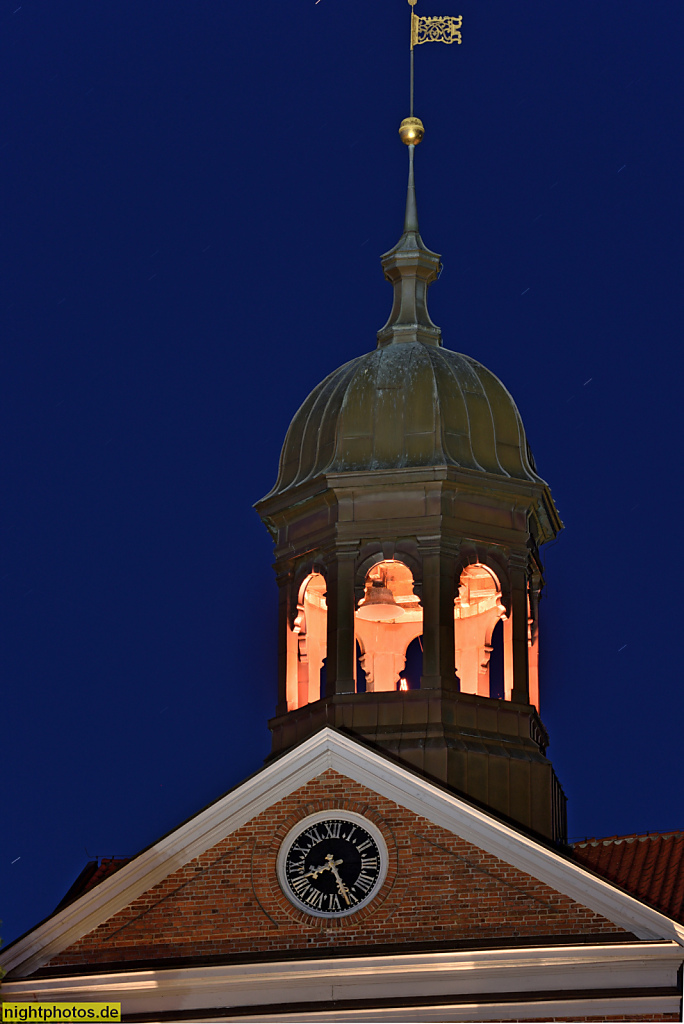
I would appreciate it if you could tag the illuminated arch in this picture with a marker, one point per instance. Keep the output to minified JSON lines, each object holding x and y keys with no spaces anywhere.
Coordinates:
{"x":477,"y":609}
{"x":307,"y":643}
{"x":388,"y":618}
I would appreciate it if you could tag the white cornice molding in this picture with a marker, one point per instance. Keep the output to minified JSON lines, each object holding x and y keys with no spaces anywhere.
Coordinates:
{"x":504,"y":842}
{"x":329,"y":749}
{"x":557,"y":1009}
{"x":456,"y":976}
{"x":468,"y":1013}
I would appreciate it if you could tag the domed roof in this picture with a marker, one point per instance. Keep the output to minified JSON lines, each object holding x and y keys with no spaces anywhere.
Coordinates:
{"x":411,"y":402}
{"x":403,"y":405}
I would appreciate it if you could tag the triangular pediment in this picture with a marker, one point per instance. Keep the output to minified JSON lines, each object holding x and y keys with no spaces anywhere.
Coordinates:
{"x":186,"y":867}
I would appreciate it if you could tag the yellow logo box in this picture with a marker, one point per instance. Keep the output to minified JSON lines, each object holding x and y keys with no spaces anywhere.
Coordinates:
{"x":61,"y":1012}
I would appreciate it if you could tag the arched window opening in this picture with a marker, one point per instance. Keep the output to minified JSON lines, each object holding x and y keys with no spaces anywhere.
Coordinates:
{"x":388,"y":619}
{"x":496,"y":662}
{"x":477,"y":610}
{"x":307,"y":644}
{"x":532,"y":656}
{"x":360,"y":676}
{"x":413,"y":667}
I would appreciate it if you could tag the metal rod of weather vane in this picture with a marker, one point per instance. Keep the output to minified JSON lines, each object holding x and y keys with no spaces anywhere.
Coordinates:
{"x":412,"y":4}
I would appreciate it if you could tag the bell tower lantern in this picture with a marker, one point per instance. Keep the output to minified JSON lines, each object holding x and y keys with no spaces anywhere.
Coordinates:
{"x":407,"y":518}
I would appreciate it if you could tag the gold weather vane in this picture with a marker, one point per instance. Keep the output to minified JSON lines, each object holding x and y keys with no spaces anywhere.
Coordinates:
{"x":434,"y":30}
{"x":411,"y":130}
{"x":428,"y":30}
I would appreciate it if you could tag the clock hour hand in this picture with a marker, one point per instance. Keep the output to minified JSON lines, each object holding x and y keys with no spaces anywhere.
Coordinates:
{"x":332,"y":864}
{"x":315,"y":872}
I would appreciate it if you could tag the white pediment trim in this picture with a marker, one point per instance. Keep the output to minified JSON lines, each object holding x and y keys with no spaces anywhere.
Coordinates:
{"x":330,"y":749}
{"x":461,"y":976}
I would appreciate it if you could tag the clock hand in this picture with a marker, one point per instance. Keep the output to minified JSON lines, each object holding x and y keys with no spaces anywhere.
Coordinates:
{"x":315,"y":872}
{"x":332,"y":864}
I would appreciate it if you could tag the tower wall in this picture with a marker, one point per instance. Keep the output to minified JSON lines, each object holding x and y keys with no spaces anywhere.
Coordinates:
{"x":437,"y":521}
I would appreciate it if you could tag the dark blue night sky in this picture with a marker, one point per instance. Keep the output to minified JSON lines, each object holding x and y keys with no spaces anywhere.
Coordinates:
{"x":195,"y":195}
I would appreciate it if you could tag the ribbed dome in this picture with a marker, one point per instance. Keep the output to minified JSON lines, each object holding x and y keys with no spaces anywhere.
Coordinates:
{"x":410,"y":404}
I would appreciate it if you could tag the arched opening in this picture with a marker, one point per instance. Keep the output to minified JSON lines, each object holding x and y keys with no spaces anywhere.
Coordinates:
{"x":413,"y":667}
{"x":532,"y":655}
{"x":477,"y":610}
{"x":307,"y":644}
{"x":360,"y":677}
{"x":496,"y":662}
{"x":388,"y":619}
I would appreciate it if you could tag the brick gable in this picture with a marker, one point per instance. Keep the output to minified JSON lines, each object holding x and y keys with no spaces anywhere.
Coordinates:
{"x":227,"y":901}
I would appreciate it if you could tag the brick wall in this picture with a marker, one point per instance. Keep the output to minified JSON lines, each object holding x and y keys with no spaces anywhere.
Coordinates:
{"x":581,"y":1020}
{"x":438,"y":888}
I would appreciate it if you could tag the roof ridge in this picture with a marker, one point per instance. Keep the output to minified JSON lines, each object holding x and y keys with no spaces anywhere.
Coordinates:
{"x":629,"y":837}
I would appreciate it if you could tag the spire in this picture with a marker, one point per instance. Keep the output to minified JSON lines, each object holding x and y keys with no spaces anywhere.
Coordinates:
{"x":411,"y":217}
{"x":410,"y":266}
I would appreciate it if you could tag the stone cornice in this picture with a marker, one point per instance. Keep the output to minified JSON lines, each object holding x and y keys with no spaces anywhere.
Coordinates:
{"x":536,"y":975}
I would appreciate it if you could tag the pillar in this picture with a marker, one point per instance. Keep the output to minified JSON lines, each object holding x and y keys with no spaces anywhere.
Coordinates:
{"x":533,"y":639}
{"x":508,"y":655}
{"x":340,"y":599}
{"x":438,"y":618}
{"x":287,"y":645}
{"x":518,"y":574}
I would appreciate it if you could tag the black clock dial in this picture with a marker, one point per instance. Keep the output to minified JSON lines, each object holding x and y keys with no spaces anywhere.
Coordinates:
{"x":332,"y":867}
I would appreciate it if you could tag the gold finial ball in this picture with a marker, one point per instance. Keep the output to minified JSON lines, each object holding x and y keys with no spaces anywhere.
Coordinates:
{"x":413,"y":2}
{"x":411,"y":131}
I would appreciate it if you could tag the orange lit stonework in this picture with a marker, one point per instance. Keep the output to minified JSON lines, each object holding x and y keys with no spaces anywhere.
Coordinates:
{"x":307,"y":643}
{"x":384,"y":643}
{"x":383,"y":633}
{"x":477,"y":609}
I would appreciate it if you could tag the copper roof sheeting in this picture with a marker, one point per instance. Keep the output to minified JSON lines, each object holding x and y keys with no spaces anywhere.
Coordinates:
{"x":649,"y":866}
{"x":406,"y":405}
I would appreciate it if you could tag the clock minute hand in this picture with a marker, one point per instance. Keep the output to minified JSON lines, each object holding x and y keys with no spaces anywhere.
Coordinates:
{"x":332,"y":864}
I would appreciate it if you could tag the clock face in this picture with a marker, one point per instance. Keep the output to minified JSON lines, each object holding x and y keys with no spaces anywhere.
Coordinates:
{"x":332,"y":863}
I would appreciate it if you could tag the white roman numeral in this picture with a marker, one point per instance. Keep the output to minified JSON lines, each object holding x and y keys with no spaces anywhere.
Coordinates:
{"x":314,"y":899}
{"x":364,"y":882}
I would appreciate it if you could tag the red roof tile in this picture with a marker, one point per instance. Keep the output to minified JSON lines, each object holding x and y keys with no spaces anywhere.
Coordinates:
{"x":93,"y":873}
{"x":648,"y":866}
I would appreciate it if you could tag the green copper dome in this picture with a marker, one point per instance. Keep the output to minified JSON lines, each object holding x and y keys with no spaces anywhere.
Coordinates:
{"x":406,"y":404}
{"x":411,"y":402}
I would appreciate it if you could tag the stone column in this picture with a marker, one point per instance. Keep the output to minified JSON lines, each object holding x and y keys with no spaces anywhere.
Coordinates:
{"x":340,"y":600}
{"x":284,"y":580}
{"x":508,"y":655}
{"x":518,"y":571}
{"x":438,"y":617}
{"x":533,"y":638}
